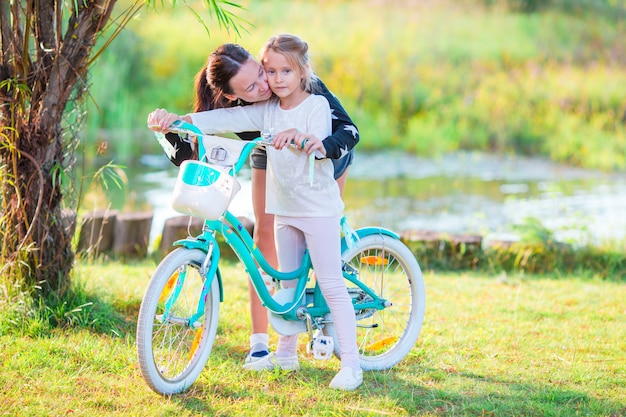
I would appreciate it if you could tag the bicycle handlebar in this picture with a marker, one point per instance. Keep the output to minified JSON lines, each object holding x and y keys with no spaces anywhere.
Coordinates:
{"x":181,"y":128}
{"x":186,"y":130}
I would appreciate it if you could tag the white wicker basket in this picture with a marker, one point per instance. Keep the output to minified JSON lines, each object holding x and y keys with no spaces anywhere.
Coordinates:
{"x":203,"y":190}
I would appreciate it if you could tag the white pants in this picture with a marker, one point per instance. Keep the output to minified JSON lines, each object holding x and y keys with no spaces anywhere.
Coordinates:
{"x":321,"y":235}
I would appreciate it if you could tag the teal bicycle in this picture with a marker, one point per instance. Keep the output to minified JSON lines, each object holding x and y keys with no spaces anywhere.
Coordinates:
{"x":178,"y":318}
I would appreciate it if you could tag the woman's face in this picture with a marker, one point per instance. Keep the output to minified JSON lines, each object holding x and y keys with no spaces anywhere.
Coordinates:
{"x":250,"y":83}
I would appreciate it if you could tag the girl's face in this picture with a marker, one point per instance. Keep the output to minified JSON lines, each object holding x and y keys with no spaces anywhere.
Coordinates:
{"x":283,"y":78}
{"x":250,"y":83}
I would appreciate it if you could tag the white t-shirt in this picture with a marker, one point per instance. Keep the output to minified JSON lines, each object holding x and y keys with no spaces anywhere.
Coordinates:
{"x":289,"y":191}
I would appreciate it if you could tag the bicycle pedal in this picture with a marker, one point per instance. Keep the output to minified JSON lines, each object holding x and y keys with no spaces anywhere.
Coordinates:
{"x":323,"y":347}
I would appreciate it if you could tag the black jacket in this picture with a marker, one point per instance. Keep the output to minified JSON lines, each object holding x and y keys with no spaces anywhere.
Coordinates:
{"x":344,"y":138}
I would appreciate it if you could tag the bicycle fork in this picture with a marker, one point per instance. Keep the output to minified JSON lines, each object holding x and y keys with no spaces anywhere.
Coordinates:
{"x":205,"y":270}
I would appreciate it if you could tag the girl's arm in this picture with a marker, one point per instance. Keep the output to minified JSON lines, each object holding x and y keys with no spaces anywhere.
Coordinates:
{"x":213,"y":121}
{"x":345,"y":134}
{"x":232,"y":119}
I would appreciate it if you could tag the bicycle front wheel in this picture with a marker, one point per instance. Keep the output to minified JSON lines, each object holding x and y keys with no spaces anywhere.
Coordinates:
{"x":387,"y":266}
{"x":173,"y":341}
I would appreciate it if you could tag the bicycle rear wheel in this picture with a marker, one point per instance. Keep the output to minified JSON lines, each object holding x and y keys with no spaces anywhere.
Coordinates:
{"x":172,"y":351}
{"x":388,"y":267}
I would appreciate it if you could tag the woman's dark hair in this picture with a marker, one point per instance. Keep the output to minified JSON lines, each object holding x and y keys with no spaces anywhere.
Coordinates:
{"x":204,"y":96}
{"x":213,"y":81}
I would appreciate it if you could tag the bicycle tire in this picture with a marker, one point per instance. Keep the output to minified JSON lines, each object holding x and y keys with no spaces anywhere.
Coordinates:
{"x":388,"y":267}
{"x":172,"y":354}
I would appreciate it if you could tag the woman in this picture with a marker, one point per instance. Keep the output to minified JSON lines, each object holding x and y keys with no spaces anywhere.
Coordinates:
{"x":232,"y":77}
{"x":307,"y":209}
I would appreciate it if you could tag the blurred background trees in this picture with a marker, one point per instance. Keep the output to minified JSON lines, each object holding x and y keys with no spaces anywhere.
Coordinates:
{"x":511,"y":76}
{"x":533,"y":77}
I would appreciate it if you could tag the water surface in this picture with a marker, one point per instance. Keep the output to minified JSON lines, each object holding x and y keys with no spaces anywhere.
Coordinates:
{"x":456,"y":193}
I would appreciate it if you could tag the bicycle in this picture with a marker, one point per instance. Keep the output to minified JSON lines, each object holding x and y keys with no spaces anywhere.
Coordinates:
{"x":179,"y":313}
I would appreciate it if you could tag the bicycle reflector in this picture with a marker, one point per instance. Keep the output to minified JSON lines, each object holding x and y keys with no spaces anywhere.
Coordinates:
{"x":374,"y":260}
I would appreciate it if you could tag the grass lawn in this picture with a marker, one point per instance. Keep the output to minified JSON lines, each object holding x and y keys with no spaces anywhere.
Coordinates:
{"x":490,"y":346}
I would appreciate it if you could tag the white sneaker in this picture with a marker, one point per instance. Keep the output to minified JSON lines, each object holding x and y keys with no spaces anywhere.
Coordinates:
{"x":256,"y":353}
{"x":347,"y":379}
{"x":269,"y":362}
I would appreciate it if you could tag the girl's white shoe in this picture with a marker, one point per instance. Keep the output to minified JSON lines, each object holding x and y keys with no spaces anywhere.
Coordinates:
{"x":347,"y":379}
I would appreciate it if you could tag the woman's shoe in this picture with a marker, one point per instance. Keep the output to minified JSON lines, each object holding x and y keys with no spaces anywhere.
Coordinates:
{"x":256,"y":353}
{"x":271,"y":361}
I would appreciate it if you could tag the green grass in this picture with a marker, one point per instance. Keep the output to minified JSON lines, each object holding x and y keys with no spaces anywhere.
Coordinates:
{"x":502,"y":345}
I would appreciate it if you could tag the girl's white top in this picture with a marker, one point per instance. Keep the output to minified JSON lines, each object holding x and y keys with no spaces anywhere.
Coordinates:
{"x":289,"y":192}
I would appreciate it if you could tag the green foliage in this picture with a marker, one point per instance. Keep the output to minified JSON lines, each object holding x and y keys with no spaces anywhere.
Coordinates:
{"x":109,"y":178}
{"x":607,"y":8}
{"x":75,"y":309}
{"x":422,"y":78}
{"x":536,"y":252}
{"x":117,"y":88}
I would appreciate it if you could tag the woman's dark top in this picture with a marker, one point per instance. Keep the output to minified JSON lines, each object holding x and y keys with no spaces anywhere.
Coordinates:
{"x":339,"y":146}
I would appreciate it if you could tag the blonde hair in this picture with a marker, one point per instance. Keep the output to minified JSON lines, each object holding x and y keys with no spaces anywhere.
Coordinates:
{"x":297,"y":52}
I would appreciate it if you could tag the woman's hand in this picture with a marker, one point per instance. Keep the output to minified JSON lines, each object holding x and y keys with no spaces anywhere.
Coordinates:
{"x":160,"y":120}
{"x":307,"y":142}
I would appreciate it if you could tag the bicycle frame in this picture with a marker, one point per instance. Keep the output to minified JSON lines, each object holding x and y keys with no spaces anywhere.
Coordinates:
{"x":179,"y":315}
{"x":238,"y":238}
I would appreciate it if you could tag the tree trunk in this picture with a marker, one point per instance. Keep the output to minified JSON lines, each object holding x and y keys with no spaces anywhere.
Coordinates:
{"x":37,"y":86}
{"x":45,"y":52}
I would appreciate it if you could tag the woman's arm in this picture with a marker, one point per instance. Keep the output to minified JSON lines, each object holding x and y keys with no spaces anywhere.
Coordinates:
{"x":160,"y":120}
{"x":345,"y":134}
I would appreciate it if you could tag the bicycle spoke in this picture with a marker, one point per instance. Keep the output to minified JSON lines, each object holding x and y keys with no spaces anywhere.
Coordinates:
{"x":388,"y":268}
{"x":172,"y":351}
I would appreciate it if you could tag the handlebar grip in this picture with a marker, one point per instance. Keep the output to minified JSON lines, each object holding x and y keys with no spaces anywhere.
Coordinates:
{"x":180,"y":126}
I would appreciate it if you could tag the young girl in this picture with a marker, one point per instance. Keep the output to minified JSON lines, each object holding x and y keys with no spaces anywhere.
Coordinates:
{"x":307,"y":214}
{"x":233,"y":77}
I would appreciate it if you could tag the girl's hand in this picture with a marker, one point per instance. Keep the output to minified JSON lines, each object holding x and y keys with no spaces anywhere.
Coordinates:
{"x":160,"y":120}
{"x":307,"y":142}
{"x":284,"y":138}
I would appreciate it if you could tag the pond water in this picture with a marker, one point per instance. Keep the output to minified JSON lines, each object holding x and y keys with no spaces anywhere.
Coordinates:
{"x":456,"y":193}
